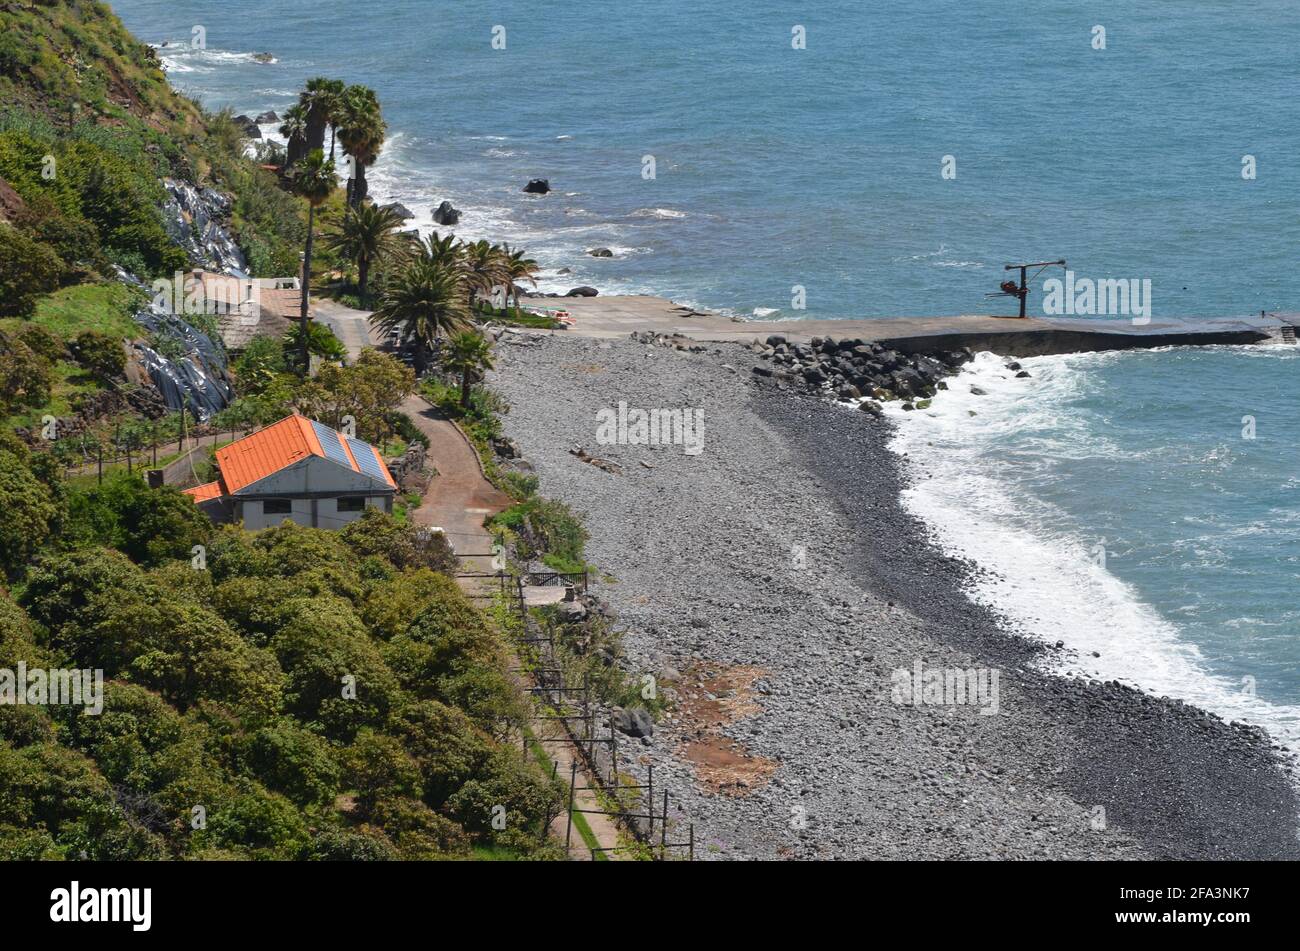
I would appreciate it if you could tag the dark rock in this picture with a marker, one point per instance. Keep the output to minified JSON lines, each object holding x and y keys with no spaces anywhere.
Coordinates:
{"x":1022,"y":374}
{"x":247,"y":127}
{"x":634,"y":722}
{"x":978,"y":392}
{"x":446,"y":214}
{"x":601,"y":253}
{"x":269,"y":116}
{"x":582,"y":292}
{"x":400,"y":210}
{"x":537,"y":186}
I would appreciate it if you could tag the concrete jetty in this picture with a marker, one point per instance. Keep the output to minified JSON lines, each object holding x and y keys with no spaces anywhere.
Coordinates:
{"x":618,"y":316}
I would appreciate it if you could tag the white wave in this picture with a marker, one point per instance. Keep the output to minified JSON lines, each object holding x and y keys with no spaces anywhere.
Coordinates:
{"x":667,"y":214}
{"x":1043,"y":577}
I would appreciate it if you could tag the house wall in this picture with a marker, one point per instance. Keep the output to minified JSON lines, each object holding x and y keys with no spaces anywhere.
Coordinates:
{"x":312,"y":513}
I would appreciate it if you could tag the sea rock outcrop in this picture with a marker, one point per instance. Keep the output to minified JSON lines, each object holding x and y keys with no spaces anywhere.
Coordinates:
{"x":248,"y":127}
{"x":583,"y":291}
{"x":851,"y":369}
{"x":537,"y":186}
{"x":446,"y":214}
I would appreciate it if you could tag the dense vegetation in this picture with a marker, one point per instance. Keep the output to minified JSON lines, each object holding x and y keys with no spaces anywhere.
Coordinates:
{"x":307,"y":694}
{"x":293,"y":693}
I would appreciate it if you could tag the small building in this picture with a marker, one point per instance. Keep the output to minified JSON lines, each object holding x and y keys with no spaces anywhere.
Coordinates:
{"x":246,"y":307}
{"x":300,"y":470}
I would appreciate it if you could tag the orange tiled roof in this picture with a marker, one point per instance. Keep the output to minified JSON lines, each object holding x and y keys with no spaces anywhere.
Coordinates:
{"x":205,"y":492}
{"x":281,"y":444}
{"x":268,"y":450}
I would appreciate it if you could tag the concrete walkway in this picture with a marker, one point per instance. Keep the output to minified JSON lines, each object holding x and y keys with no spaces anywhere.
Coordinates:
{"x":352,"y":327}
{"x":618,"y":316}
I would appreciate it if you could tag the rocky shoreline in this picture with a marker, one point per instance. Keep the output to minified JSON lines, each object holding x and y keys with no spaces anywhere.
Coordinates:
{"x":774,"y":585}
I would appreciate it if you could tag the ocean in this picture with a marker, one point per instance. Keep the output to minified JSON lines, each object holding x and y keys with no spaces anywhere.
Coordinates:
{"x":1115,"y":495}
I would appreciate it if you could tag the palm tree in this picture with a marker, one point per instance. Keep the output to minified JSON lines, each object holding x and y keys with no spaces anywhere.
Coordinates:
{"x":469,"y":355}
{"x":361,"y":133}
{"x":483,"y":270}
{"x":313,"y":179}
{"x":422,"y":302}
{"x":367,"y":236}
{"x":444,"y":251}
{"x":518,"y":269}
{"x":294,"y":128}
{"x":321,"y":103}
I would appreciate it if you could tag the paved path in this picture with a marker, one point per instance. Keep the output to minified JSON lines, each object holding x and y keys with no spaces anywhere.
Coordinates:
{"x":352,"y":327}
{"x":458,"y":500}
{"x":618,"y":316}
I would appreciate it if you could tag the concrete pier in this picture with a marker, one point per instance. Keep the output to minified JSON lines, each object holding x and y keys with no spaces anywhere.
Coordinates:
{"x":618,"y":316}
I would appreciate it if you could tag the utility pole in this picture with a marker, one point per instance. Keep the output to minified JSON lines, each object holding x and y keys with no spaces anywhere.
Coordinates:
{"x":1011,"y":289}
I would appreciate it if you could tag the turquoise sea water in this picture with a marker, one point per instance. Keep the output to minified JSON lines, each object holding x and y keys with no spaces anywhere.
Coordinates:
{"x":821,"y":167}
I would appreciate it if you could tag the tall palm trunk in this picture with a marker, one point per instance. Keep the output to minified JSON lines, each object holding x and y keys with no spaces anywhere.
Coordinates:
{"x":363,"y":278}
{"x":359,"y":187}
{"x":464,"y":389}
{"x":306,"y":290}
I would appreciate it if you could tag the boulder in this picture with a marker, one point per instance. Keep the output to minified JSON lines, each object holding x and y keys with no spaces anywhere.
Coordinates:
{"x":601,"y":253}
{"x":400,"y":210}
{"x":268,"y":116}
{"x":446,"y":214}
{"x":575,"y":612}
{"x":582,"y":292}
{"x":537,"y":186}
{"x":247,"y":127}
{"x":635,"y":721}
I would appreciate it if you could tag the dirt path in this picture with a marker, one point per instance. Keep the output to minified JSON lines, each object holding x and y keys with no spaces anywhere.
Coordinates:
{"x":458,"y":500}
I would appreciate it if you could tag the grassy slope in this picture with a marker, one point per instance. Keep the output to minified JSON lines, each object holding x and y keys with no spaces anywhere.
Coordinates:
{"x":71,"y":72}
{"x":68,"y":59}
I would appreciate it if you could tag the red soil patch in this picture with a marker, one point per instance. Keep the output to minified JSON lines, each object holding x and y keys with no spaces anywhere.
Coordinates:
{"x":710,"y":698}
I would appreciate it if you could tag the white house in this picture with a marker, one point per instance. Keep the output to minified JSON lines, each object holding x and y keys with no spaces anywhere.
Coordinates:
{"x":296,"y":469}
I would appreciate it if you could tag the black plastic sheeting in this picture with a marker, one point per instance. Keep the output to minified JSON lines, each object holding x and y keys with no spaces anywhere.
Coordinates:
{"x":198,"y":381}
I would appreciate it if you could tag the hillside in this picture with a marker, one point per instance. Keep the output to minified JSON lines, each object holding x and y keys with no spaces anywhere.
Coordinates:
{"x":290,"y":694}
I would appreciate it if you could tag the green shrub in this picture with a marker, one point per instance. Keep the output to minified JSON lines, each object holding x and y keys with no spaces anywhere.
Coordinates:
{"x":99,"y":354}
{"x":28,"y":270}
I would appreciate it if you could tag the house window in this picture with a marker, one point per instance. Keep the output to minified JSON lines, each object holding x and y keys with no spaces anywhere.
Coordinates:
{"x":352,"y":504}
{"x":277,"y":507}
